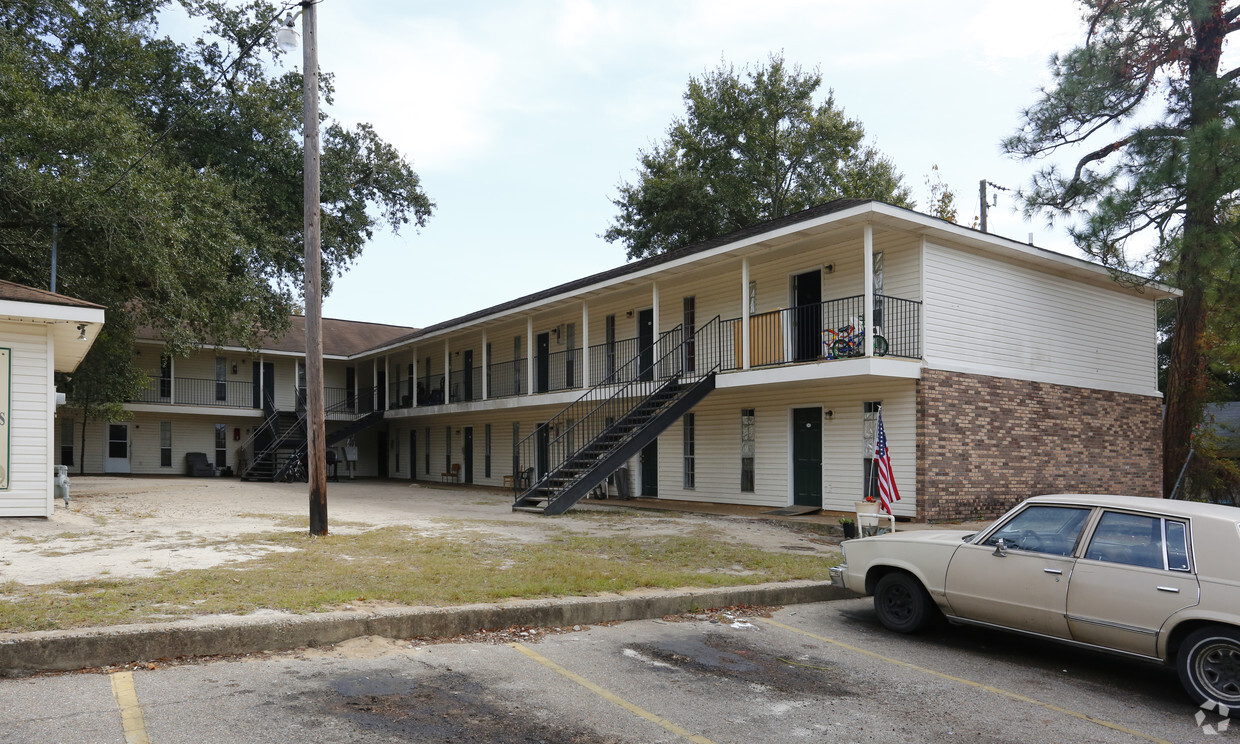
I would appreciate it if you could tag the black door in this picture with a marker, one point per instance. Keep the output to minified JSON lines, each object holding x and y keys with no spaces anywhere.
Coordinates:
{"x":467,"y":385}
{"x":381,"y":392}
{"x":645,"y":344}
{"x":350,"y":387}
{"x":468,"y":446}
{"x":381,"y":452}
{"x":543,"y":446}
{"x":807,"y":296}
{"x":265,"y":386}
{"x":650,"y":469}
{"x":542,"y":362}
{"x":807,"y":456}
{"x":413,"y":454}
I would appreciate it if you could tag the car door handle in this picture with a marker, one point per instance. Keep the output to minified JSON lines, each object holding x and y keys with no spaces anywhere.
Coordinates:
{"x":1172,"y":589}
{"x":1056,"y":571}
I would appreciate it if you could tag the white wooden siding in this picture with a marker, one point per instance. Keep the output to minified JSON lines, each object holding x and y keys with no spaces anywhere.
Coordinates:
{"x":718,"y":439}
{"x":30,"y":424}
{"x":989,"y":317}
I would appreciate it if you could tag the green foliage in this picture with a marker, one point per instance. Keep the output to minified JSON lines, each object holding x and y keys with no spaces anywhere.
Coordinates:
{"x":747,"y":151}
{"x":1151,"y":117}
{"x":942,"y":199}
{"x":174,"y":173}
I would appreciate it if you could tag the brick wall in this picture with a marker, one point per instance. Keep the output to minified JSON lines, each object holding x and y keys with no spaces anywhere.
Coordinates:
{"x":986,"y":443}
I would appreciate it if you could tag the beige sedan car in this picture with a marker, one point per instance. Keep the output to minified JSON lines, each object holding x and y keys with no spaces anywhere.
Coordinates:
{"x":1146,"y":578}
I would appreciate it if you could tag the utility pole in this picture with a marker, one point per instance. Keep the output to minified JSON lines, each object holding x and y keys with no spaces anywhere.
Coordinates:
{"x":981,"y":192}
{"x":316,"y":448}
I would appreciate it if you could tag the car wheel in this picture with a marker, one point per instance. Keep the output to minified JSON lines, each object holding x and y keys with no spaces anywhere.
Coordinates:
{"x":902,"y":603}
{"x":1209,"y":666}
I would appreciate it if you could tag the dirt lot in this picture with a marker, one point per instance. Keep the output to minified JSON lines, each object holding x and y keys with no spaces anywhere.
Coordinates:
{"x":139,"y":527}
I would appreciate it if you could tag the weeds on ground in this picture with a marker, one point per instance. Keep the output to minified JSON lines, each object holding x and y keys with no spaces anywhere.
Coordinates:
{"x":397,"y":565}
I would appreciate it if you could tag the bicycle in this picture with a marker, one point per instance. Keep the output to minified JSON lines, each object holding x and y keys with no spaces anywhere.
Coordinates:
{"x":296,"y":472}
{"x":849,"y":341}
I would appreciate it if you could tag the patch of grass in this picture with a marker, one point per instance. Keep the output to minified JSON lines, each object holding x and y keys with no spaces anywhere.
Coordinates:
{"x":395,"y":564}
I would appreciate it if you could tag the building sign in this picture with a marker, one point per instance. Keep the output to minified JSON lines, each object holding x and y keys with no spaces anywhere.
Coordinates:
{"x":6,"y":408}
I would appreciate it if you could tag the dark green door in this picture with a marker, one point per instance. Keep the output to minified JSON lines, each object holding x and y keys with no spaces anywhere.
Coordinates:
{"x":807,"y":456}
{"x":650,"y":469}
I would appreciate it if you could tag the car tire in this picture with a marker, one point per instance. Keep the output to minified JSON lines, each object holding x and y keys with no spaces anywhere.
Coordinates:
{"x":902,"y":603}
{"x":1209,"y":666}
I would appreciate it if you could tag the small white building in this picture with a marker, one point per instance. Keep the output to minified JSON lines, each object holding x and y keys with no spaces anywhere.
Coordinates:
{"x":41,"y":333}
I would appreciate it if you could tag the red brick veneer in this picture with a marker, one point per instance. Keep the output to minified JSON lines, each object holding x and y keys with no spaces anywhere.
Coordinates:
{"x":986,"y":443}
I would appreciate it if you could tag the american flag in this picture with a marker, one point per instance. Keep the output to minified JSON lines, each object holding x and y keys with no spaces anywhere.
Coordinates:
{"x":887,"y":491}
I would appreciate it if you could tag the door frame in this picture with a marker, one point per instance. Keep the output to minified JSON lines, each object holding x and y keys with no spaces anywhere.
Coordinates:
{"x":644,"y":373}
{"x":542,"y":362}
{"x":645,"y":470}
{"x":791,"y":429}
{"x":792,"y":352}
{"x":110,"y":464}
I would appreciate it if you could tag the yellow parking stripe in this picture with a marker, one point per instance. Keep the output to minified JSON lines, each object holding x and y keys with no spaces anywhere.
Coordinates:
{"x":131,"y":712}
{"x":971,"y":683}
{"x":611,"y":697}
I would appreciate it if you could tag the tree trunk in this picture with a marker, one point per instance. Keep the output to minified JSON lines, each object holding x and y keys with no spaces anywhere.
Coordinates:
{"x":1186,"y":378}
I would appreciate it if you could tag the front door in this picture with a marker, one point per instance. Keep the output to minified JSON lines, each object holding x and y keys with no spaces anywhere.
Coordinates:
{"x":645,"y":344}
{"x":807,"y":456}
{"x":381,"y":390}
{"x":381,"y":453}
{"x":650,"y":469}
{"x":468,"y":451}
{"x":807,"y":320}
{"x":467,"y":385}
{"x":543,"y":446}
{"x":542,"y":362}
{"x":116,"y":458}
{"x":264,"y":381}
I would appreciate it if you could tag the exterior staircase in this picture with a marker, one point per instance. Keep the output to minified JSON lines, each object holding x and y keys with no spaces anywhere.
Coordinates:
{"x":572,"y":453}
{"x":280,"y":441}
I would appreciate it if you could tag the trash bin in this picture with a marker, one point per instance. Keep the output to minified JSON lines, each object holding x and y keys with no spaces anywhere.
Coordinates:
{"x":622,"y":482}
{"x":60,"y":482}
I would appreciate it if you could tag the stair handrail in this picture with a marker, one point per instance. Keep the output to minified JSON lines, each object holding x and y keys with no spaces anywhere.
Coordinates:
{"x":610,"y":379}
{"x":624,"y":390}
{"x":304,"y":446}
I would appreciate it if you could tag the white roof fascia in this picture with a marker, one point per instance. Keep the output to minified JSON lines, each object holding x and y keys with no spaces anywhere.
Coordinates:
{"x":43,"y":312}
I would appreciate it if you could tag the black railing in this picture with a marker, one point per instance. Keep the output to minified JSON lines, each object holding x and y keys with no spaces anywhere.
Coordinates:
{"x":606,"y":358}
{"x":189,"y":391}
{"x":828,"y":330}
{"x":430,"y":390}
{"x":401,"y":393}
{"x":505,"y":379}
{"x":465,"y":385}
{"x":562,"y":372}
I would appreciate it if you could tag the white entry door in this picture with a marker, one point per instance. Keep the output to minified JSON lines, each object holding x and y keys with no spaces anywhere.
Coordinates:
{"x":116,"y":458}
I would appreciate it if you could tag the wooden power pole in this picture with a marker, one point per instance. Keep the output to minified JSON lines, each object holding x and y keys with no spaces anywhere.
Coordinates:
{"x":316,"y":448}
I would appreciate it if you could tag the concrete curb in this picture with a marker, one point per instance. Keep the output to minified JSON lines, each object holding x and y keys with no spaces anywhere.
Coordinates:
{"x":66,"y":650}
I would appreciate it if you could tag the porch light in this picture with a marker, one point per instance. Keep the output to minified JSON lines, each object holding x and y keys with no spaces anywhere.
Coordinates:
{"x":81,"y":331}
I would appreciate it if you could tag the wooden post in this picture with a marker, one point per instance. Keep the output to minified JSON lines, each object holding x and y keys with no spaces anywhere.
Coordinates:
{"x":316,"y":450}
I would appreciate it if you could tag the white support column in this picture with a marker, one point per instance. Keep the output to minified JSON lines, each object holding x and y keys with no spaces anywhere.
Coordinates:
{"x":486,"y":368}
{"x":447,"y":373}
{"x":745,"y":313}
{"x":868,"y":246}
{"x":654,"y":299}
{"x":529,"y":354}
{"x":585,"y":345}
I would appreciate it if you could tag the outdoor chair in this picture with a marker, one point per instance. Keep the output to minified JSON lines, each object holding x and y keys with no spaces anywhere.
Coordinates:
{"x":454,"y":473}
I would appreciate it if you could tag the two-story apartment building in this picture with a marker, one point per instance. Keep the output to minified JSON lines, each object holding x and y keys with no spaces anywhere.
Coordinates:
{"x":749,"y":369}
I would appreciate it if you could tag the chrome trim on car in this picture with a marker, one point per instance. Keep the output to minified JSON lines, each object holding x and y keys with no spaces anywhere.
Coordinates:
{"x":1065,"y":641}
{"x":1108,"y":624}
{"x":837,"y":575}
{"x":1172,"y":589}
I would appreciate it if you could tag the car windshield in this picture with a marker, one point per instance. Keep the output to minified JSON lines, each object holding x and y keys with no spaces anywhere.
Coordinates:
{"x":1043,"y":529}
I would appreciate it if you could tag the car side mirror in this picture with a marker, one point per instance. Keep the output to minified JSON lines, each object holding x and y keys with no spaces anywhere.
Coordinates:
{"x":1000,"y":548}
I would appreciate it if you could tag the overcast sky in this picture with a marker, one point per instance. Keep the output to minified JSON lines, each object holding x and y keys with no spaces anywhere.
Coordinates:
{"x":521,"y":117}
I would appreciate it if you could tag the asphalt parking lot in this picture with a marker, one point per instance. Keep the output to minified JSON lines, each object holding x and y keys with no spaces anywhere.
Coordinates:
{"x":816,"y":672}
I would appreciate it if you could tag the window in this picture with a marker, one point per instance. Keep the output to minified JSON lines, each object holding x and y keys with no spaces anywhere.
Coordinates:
{"x":426,"y":454}
{"x":165,"y":377}
{"x":221,"y":379}
{"x":516,"y":367}
{"x":748,"y":448}
{"x":516,"y":439}
{"x":165,"y":444}
{"x":1139,"y":540}
{"x":66,"y":441}
{"x":396,"y":456}
{"x":1043,"y":529}
{"x":869,"y":434}
{"x":878,"y":290}
{"x":221,"y":445}
{"x":690,"y":322}
{"x":447,"y":449}
{"x":486,"y":451}
{"x":753,"y":297}
{"x":688,"y":424}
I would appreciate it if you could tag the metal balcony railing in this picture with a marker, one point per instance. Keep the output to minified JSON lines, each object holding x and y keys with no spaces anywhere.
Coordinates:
{"x":189,"y":391}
